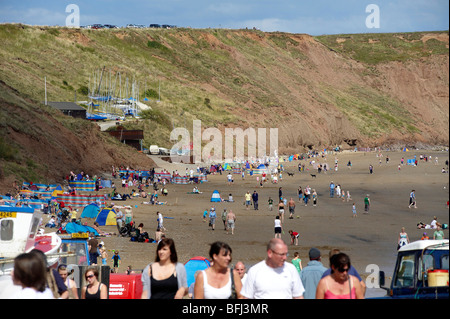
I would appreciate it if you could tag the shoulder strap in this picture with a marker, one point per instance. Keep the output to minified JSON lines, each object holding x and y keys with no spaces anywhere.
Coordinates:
{"x":350,"y":285}
{"x":233,"y":288}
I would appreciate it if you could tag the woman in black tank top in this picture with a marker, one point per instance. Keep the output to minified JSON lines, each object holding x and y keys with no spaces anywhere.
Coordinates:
{"x":164,"y":288}
{"x":94,"y":288}
{"x":165,"y":278}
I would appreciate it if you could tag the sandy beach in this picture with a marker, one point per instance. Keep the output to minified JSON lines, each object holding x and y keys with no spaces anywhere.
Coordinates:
{"x":368,"y":239}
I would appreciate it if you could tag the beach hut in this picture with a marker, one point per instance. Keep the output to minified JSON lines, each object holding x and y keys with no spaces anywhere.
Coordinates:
{"x":106,"y":217}
{"x":194,"y":264}
{"x":90,"y":211}
{"x":215,"y":197}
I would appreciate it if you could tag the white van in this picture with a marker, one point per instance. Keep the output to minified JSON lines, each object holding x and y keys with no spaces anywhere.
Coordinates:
{"x":154,"y":149}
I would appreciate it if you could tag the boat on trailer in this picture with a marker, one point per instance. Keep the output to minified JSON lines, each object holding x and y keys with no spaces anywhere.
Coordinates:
{"x":19,"y":234}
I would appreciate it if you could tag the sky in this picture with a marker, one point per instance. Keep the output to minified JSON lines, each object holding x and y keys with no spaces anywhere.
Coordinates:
{"x":293,"y":16}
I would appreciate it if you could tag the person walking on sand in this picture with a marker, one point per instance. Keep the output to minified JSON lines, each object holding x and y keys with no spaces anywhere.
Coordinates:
{"x":314,"y":197}
{"x":402,"y":238}
{"x":281,"y":210}
{"x":278,"y":227}
{"x":231,"y":221}
{"x":412,"y":199}
{"x":366,"y":204}
{"x":255,"y":200}
{"x":291,"y":205}
{"x":224,"y":218}
{"x":270,"y":201}
{"x":116,"y":261}
{"x":212,"y":218}
{"x":354,"y":211}
{"x":160,"y":221}
{"x":248,"y":199}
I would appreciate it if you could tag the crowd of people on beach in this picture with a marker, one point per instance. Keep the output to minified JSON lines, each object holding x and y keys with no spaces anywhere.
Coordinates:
{"x":166,"y":278}
{"x":314,"y":281}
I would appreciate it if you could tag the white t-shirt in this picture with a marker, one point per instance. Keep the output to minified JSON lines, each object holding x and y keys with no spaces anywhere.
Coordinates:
{"x":433,"y":224}
{"x":264,"y":282}
{"x":277,"y":223}
{"x":30,"y":293}
{"x":160,"y":220}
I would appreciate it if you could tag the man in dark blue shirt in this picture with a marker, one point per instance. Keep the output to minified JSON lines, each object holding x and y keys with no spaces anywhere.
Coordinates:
{"x":255,"y":200}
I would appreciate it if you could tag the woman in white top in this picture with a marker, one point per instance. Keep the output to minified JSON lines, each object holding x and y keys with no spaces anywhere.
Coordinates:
{"x":30,"y":273}
{"x":278,"y":227}
{"x":216,"y":282}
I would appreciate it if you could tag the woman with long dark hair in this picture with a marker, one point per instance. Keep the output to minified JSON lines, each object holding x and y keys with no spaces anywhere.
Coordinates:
{"x":165,"y":278}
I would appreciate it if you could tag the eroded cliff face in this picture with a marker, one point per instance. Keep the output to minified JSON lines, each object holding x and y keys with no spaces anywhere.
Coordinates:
{"x":356,"y":90}
{"x":44,"y":146}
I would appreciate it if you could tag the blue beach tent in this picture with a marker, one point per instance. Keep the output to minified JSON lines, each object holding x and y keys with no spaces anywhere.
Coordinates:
{"x":106,"y":217}
{"x":90,"y":211}
{"x":194,"y":264}
{"x":215,"y":197}
{"x":77,"y":228}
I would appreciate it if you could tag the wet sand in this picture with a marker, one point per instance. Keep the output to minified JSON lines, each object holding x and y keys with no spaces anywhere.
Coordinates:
{"x":368,"y":239}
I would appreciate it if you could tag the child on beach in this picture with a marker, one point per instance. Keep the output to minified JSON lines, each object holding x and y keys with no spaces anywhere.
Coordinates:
{"x":270,"y":203}
{"x":294,"y":237}
{"x":104,"y":255}
{"x":354,"y":210}
{"x":116,"y":261}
